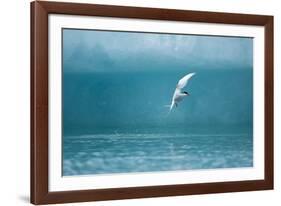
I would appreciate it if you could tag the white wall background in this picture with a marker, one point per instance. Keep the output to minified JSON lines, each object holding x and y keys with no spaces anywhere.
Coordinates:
{"x":14,"y":101}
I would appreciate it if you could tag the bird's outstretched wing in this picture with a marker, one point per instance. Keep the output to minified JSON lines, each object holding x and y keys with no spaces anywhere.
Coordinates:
{"x":183,"y":81}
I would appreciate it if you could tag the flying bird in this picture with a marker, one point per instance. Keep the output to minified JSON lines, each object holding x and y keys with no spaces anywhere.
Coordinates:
{"x":179,"y":95}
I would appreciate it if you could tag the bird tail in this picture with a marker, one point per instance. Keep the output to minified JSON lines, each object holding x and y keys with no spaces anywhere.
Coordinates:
{"x":170,"y":107}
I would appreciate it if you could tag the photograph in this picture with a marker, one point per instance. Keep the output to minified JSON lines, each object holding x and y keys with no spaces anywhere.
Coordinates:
{"x":142,"y":102}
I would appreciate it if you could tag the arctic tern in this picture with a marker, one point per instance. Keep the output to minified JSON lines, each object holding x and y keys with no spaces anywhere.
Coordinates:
{"x":179,"y":95}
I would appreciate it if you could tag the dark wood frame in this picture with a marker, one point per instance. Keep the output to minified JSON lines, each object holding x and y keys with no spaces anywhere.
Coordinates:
{"x":39,"y":102}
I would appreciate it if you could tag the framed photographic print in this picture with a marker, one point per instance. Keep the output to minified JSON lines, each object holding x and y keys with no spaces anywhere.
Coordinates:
{"x":131,"y":102}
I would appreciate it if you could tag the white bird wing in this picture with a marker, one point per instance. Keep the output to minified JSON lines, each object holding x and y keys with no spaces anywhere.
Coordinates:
{"x":183,"y":81}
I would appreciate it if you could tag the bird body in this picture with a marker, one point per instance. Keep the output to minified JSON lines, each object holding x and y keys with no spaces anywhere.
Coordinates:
{"x":179,"y":95}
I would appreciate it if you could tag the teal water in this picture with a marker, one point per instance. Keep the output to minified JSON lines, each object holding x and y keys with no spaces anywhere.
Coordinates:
{"x":135,"y":152}
{"x":116,"y":86}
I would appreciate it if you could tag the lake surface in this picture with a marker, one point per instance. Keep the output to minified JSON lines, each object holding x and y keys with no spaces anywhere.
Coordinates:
{"x":148,"y":152}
